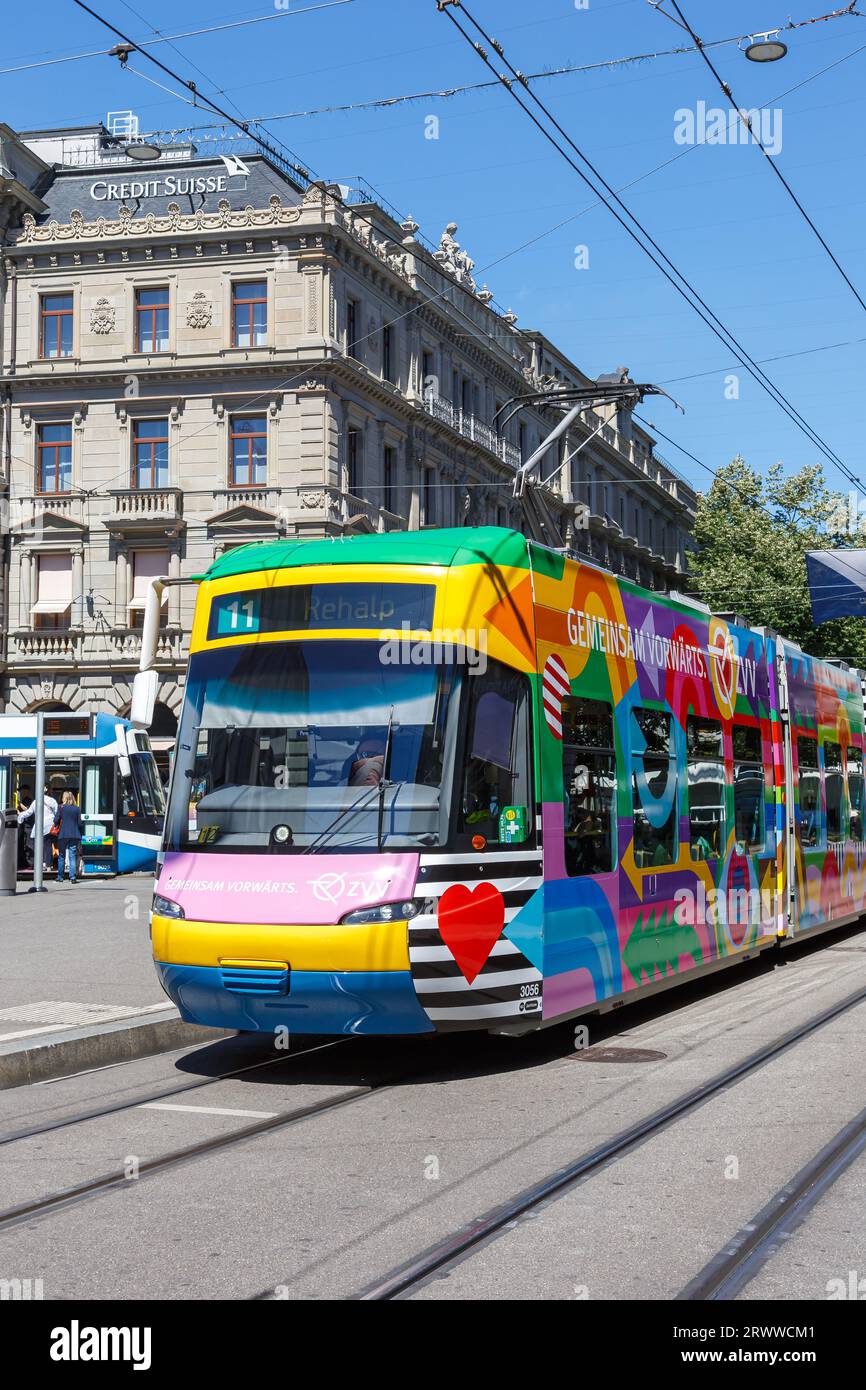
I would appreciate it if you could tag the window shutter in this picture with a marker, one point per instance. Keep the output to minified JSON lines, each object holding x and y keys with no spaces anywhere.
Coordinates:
{"x":54,"y":584}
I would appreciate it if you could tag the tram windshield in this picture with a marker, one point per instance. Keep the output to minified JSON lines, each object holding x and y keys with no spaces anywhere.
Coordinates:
{"x":282,"y":745}
{"x":323,"y":747}
{"x":141,"y":792}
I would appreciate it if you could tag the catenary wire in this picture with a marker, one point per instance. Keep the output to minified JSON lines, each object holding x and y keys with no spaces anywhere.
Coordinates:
{"x":746,"y":119}
{"x":221,"y":91}
{"x":190,"y":86}
{"x":263,"y":395}
{"x":168,"y":38}
{"x":543,"y":74}
{"x":523,"y":245}
{"x":716,"y":326}
{"x":689,"y":293}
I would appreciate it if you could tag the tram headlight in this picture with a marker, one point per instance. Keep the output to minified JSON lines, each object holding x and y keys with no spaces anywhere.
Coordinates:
{"x":389,"y":912}
{"x":164,"y":907}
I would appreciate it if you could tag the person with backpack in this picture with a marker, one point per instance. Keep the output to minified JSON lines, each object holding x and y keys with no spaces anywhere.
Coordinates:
{"x":68,"y":824}
{"x":48,"y":812}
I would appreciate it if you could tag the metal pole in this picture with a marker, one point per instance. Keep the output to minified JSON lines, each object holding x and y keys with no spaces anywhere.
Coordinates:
{"x":573,"y":455}
{"x":39,"y":810}
{"x":523,"y":471}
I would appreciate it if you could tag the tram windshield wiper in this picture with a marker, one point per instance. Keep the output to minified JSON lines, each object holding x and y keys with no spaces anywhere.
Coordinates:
{"x":383,"y":781}
{"x":324,"y":835}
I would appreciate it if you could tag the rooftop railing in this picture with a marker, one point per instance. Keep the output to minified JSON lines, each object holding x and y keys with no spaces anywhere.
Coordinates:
{"x":471,"y":427}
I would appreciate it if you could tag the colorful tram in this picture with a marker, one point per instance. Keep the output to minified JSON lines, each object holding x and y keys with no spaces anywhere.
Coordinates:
{"x":455,"y":780}
{"x":109,"y":768}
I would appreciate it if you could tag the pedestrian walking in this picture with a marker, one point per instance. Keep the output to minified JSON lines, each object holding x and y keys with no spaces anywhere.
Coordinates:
{"x":25,"y":849}
{"x":49,"y":811}
{"x":68,"y":822}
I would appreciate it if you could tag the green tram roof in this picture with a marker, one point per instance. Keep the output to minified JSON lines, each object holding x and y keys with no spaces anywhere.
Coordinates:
{"x":450,"y":546}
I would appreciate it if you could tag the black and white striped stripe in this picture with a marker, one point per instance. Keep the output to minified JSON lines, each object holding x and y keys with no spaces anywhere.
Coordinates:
{"x":503,"y":989}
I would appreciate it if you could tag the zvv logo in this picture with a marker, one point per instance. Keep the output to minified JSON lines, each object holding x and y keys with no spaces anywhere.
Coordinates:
{"x":331,"y":888}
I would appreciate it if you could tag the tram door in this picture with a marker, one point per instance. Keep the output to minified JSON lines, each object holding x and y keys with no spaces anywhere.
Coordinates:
{"x":789,"y":892}
{"x":98,"y":847}
{"x":5,"y":783}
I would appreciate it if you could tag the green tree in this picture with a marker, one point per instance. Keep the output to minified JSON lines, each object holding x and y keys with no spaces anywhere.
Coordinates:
{"x":752,"y":535}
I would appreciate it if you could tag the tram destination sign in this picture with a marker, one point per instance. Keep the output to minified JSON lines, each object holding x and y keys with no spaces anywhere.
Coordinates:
{"x":66,"y":725}
{"x":299,"y":607}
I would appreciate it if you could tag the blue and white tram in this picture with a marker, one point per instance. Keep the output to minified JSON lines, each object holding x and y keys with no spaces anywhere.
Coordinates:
{"x":109,"y":768}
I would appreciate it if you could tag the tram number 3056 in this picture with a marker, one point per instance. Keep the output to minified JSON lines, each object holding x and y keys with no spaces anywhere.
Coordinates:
{"x":530,"y":998}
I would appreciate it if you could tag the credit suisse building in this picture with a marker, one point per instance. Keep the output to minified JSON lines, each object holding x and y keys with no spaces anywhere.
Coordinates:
{"x":202,"y":352}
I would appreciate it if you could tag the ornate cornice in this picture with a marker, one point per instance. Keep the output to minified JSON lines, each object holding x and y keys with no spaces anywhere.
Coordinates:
{"x":376,"y":244}
{"x":126,"y":225}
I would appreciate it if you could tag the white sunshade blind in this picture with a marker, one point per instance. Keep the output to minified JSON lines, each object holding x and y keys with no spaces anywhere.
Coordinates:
{"x":54,"y":584}
{"x":146,"y":565}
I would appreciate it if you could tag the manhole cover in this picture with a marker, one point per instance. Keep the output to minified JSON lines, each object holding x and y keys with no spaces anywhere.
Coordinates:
{"x":618,"y":1054}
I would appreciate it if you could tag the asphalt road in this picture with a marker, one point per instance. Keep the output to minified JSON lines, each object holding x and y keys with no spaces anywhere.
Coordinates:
{"x":320,"y":1208}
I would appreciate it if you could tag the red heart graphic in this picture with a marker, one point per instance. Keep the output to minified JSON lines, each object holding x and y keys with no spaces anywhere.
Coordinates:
{"x":470,"y":923}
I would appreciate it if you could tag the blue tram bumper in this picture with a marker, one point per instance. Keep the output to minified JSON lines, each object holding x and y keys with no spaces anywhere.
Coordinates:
{"x":317,"y":1001}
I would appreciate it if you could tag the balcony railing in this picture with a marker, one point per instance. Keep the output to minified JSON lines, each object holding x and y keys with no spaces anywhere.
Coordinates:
{"x":53,"y":646}
{"x":46,"y":645}
{"x":145,"y":506}
{"x":263,"y":498}
{"x":26,"y":514}
{"x":654,"y":465}
{"x":356,"y":508}
{"x":125,"y":645}
{"x":471,"y":427}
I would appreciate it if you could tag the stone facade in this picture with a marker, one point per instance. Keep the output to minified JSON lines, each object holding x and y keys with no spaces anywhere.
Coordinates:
{"x":370,"y":381}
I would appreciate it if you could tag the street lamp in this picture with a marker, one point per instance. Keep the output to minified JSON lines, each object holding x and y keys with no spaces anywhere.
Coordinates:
{"x":764,"y":48}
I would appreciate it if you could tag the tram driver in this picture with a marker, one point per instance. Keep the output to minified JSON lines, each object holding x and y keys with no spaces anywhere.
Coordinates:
{"x":366,"y":767}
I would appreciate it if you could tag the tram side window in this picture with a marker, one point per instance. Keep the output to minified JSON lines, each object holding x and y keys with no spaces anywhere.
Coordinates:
{"x":834,"y":791}
{"x":588,"y":785}
{"x":809,"y":799}
{"x":141,"y":792}
{"x":706,"y":780}
{"x":496,"y":776}
{"x":855,"y":792}
{"x":654,"y":788}
{"x":749,"y":828}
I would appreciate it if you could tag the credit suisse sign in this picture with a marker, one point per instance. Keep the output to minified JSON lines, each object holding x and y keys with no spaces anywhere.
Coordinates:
{"x":109,"y":190}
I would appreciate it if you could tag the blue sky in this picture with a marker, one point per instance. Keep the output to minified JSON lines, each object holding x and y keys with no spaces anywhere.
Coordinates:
{"x":718,"y":212}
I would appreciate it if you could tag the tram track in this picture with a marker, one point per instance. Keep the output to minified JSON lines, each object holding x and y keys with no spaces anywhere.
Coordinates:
{"x":165,"y":1093}
{"x":121,"y":1178}
{"x":148,"y":1098}
{"x":453,"y":1248}
{"x":67,"y":1121}
{"x":805,"y":1189}
{"x":737,"y":1263}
